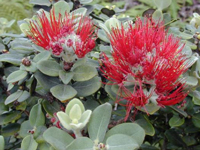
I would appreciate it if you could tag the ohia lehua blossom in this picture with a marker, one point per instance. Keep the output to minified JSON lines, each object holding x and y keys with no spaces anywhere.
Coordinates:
{"x":67,"y":36}
{"x":146,"y":65}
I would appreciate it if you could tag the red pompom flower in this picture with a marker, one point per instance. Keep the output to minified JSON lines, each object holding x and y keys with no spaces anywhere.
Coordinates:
{"x":63,"y":35}
{"x":146,"y":64}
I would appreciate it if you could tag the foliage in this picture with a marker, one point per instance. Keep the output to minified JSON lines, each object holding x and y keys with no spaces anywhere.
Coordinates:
{"x":50,"y":103}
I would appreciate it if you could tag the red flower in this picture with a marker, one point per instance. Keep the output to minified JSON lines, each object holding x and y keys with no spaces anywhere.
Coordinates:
{"x":60,"y":34}
{"x":146,"y":64}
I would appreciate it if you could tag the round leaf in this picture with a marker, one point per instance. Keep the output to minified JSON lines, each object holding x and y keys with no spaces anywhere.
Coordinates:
{"x":84,"y":72}
{"x":63,"y":92}
{"x":65,"y":76}
{"x":162,"y":4}
{"x":121,"y":141}
{"x":57,"y":138}
{"x":196,"y":120}
{"x":45,"y":55}
{"x":87,"y":88}
{"x":61,"y":7}
{"x":29,"y":143}
{"x":146,"y":125}
{"x":82,"y":143}
{"x":130,"y":129}
{"x":176,"y":121}
{"x":50,"y":68}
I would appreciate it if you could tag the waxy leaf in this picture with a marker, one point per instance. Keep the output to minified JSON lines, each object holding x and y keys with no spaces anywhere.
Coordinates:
{"x":25,"y":95}
{"x":81,"y":143}
{"x":84,"y":72}
{"x":11,"y":58}
{"x":2,"y":142}
{"x":45,"y":81}
{"x":45,"y":55}
{"x":99,"y":121}
{"x":176,"y":121}
{"x":196,"y":120}
{"x":174,"y":138}
{"x":51,"y":108}
{"x":14,"y":96}
{"x":66,"y":76}
{"x":63,"y":92}
{"x":28,"y":143}
{"x":61,"y":7}
{"x":50,"y":68}
{"x":130,"y":129}
{"x":59,"y":139}
{"x":36,"y":117}
{"x":146,"y":125}
{"x":162,"y":4}
{"x":10,"y":129}
{"x":121,"y":142}
{"x":87,"y":88}
{"x":16,"y":76}
{"x":9,"y":117}
{"x":39,"y":2}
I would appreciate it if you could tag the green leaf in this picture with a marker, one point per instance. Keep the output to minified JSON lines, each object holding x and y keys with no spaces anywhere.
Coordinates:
{"x":50,"y":68}
{"x":31,"y":68}
{"x":10,"y":129}
{"x":25,"y":127}
{"x":11,"y":58}
{"x":157,"y":15}
{"x":121,"y":141}
{"x":84,"y":72}
{"x":9,"y":117}
{"x":28,"y":143}
{"x":103,"y":36}
{"x":146,"y":125}
{"x":36,"y":117}
{"x":45,"y":81}
{"x":189,"y":140}
{"x":87,"y":88}
{"x":85,"y":1}
{"x":57,"y":138}
{"x":112,"y":23}
{"x":24,"y":96}
{"x":16,"y":76}
{"x":2,"y":142}
{"x":176,"y":121}
{"x":61,"y":7}
{"x":82,"y":143}
{"x":39,"y":2}
{"x":99,"y":121}
{"x":174,"y":138}
{"x":181,"y":112}
{"x":79,"y":12}
{"x":66,"y":76}
{"x":196,"y":120}
{"x":63,"y":92}
{"x":130,"y":129}
{"x":162,"y":4}
{"x":45,"y":55}
{"x":50,"y":108}
{"x":14,"y":96}
{"x":191,"y":81}
{"x":45,"y":146}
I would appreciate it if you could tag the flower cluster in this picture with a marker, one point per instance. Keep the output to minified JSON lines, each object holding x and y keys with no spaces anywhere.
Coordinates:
{"x":65,"y":36}
{"x":146,"y":65}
